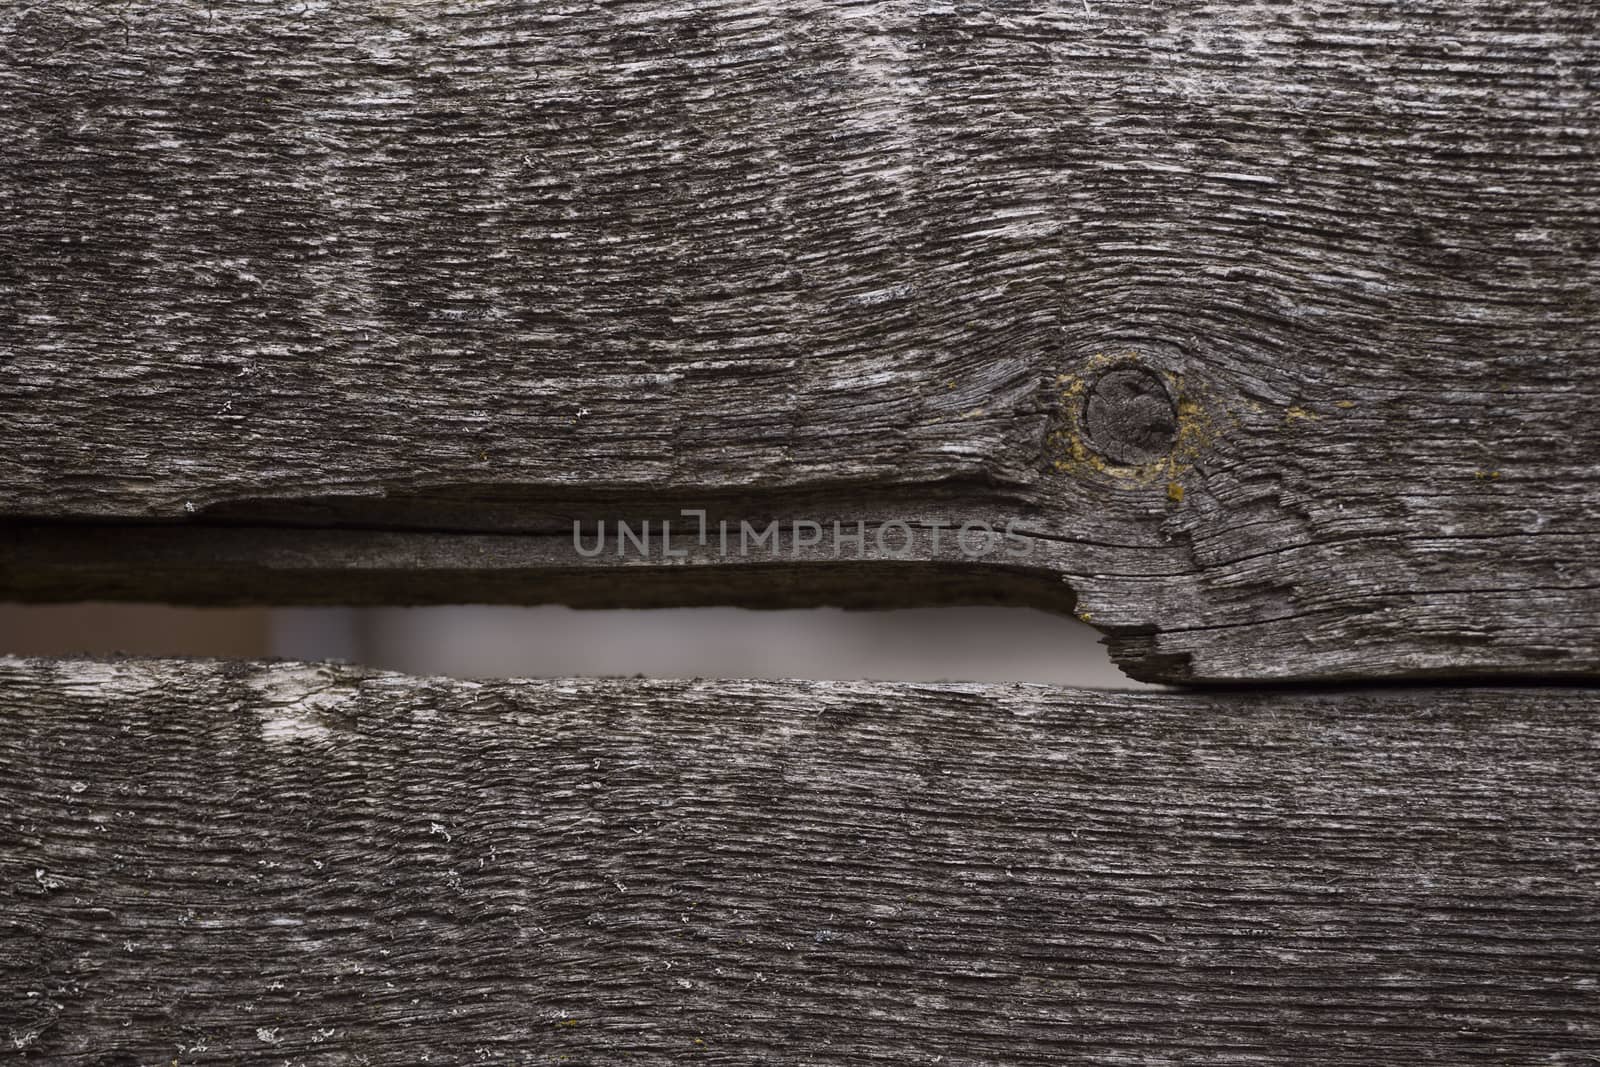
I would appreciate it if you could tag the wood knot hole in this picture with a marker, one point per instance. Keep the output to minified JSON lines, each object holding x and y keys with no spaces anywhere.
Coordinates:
{"x":1129,"y":417}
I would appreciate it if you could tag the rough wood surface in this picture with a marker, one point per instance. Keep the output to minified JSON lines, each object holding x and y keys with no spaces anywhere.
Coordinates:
{"x":1275,"y":325}
{"x":302,"y":864}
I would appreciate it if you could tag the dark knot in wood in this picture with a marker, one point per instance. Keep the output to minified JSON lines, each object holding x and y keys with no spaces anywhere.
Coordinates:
{"x":1129,"y":417}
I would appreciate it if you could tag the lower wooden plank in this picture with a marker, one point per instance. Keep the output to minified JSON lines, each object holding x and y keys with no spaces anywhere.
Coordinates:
{"x":310,"y":864}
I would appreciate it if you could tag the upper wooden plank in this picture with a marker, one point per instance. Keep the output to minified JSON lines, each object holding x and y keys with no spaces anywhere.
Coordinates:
{"x":481,"y":267}
{"x":296,"y":863}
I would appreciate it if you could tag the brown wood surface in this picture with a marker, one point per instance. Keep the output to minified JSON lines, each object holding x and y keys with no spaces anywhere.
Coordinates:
{"x":289,"y":863}
{"x":1274,"y":326}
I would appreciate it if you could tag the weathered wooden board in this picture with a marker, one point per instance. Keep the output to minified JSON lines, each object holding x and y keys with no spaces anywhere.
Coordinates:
{"x":291,"y":863}
{"x":1273,"y":325}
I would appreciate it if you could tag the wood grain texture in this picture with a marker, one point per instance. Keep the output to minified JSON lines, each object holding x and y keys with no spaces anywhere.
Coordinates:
{"x":309,"y":864}
{"x":472,"y":269}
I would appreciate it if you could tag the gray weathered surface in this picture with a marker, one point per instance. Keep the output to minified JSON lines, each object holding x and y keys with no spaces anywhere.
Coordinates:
{"x":314,"y":865}
{"x":480,"y":267}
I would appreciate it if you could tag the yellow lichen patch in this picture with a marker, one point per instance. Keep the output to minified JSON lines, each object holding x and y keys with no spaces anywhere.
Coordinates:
{"x":1490,"y":475}
{"x":1175,"y":492}
{"x":1345,"y":404}
{"x":1084,"y":616}
{"x":1297,"y":412}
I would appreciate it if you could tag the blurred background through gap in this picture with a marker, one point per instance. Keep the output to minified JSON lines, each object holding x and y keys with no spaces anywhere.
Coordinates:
{"x":980,"y":644}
